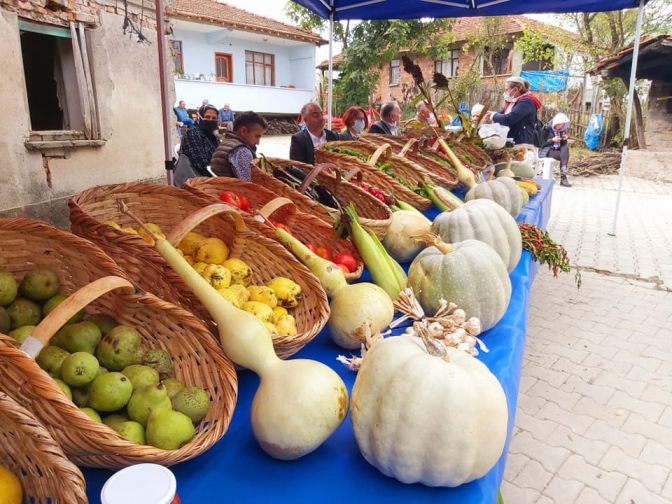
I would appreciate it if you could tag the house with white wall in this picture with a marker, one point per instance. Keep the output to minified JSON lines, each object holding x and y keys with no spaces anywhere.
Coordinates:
{"x":228,"y":55}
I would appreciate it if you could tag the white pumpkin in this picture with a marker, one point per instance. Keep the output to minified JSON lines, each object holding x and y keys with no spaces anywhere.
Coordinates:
{"x":421,"y":418}
{"x":486,"y":221}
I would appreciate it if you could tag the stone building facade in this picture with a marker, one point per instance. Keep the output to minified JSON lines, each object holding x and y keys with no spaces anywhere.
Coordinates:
{"x":53,"y":142}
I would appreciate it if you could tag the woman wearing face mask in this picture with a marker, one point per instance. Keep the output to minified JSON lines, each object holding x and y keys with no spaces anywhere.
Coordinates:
{"x":520,"y":111}
{"x":556,"y":146}
{"x":200,"y":143}
{"x":355,"y":123}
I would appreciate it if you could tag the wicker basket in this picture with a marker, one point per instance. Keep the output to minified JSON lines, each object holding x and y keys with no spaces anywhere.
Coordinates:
{"x":29,"y":451}
{"x":306,"y":227}
{"x":374,"y":215}
{"x":443,"y":175}
{"x":172,"y":209}
{"x":411,"y":173}
{"x":197,"y":359}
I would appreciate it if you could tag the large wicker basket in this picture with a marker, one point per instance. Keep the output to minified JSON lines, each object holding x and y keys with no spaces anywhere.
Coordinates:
{"x":197,"y":359}
{"x":29,"y":451}
{"x":374,"y":215}
{"x":306,"y":227}
{"x":441,"y":172}
{"x":414,"y":175}
{"x":171,"y":208}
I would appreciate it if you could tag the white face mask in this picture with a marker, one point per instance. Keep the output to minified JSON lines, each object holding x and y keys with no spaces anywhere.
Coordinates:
{"x":508,"y":97}
{"x":358,"y":125}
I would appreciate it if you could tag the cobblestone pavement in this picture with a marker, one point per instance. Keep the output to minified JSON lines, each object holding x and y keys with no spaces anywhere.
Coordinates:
{"x":594,"y":418}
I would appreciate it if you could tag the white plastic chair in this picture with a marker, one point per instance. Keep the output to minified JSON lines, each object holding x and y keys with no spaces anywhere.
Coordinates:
{"x":546,"y":166}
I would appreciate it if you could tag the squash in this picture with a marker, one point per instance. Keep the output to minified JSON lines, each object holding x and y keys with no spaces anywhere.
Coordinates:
{"x":514,"y":194}
{"x":468,"y":273}
{"x":483,"y":220}
{"x":499,"y":192}
{"x":421,"y":417}
{"x":519,"y":169}
{"x":526,"y":196}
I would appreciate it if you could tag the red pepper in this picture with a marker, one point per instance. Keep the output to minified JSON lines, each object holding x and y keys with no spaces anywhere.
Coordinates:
{"x":245,"y":203}
{"x":231,"y":198}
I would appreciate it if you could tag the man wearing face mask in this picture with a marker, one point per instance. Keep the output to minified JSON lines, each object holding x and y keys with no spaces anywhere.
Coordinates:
{"x":200,"y":143}
{"x":390,"y":115}
{"x":520,"y":111}
{"x":355,"y":123}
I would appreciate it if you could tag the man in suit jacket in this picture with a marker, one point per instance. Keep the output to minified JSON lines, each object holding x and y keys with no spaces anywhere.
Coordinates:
{"x":302,"y":147}
{"x":390,"y":115}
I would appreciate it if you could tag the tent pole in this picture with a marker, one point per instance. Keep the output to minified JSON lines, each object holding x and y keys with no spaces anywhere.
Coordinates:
{"x":165,"y":106}
{"x":628,"y":115}
{"x":331,"y":67}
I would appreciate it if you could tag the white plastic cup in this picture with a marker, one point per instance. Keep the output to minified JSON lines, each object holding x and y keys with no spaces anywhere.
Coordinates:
{"x":140,"y":484}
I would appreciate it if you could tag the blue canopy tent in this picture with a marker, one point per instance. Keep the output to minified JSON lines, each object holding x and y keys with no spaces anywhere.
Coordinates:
{"x":340,"y":10}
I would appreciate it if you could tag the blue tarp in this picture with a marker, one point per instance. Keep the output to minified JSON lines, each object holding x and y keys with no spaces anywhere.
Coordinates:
{"x":549,"y":81}
{"x":414,"y":9}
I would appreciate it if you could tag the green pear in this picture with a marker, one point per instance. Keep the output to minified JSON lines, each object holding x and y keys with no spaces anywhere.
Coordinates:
{"x":168,"y":429}
{"x":50,"y":359}
{"x":79,"y":337}
{"x":39,"y":285}
{"x":114,"y":420}
{"x":79,"y":369}
{"x":5,"y":321}
{"x":145,"y":400}
{"x":8,"y":288}
{"x":119,"y":348}
{"x":80,"y":395}
{"x":24,"y":312}
{"x":110,"y":392}
{"x":53,"y":302}
{"x":92,"y":413}
{"x":133,"y":431}
{"x":21,"y":333}
{"x":173,"y":386}
{"x":104,"y":322}
{"x":193,"y":402}
{"x":64,"y":387}
{"x":141,"y":376}
{"x":159,"y":360}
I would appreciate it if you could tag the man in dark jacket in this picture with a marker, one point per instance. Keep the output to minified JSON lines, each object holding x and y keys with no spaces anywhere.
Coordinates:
{"x":233,"y":157}
{"x":302,"y":147}
{"x":520,"y":111}
{"x":390,"y":115}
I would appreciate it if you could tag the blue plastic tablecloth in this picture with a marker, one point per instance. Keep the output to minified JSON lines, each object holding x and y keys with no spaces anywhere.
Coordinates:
{"x":236,"y":470}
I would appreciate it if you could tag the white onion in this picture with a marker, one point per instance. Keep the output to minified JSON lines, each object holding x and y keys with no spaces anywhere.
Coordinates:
{"x":399,"y":241}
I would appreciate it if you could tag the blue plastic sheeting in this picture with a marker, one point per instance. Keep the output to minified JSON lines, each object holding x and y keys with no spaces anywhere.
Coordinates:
{"x":237,"y":470}
{"x":546,"y":80}
{"x":414,"y":9}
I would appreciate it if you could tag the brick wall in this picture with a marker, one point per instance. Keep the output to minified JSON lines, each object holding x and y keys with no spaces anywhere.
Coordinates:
{"x":61,"y":12}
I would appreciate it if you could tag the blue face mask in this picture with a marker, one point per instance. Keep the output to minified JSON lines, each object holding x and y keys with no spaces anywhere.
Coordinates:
{"x":358,"y":125}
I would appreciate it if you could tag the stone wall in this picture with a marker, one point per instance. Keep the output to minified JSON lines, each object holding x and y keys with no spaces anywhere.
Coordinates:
{"x":659,"y":117}
{"x":38,"y":183}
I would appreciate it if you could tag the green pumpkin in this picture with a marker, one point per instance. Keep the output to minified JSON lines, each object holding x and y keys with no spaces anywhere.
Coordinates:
{"x":486,"y":221}
{"x":468,"y":273}
{"x":499,"y":192}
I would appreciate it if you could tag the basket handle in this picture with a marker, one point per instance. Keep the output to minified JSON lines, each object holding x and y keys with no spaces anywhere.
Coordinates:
{"x":355,"y":171}
{"x":382,"y":148}
{"x":181,"y":230}
{"x":267,"y":210}
{"x":312,"y":174}
{"x":75,"y":302}
{"x":412,"y":142}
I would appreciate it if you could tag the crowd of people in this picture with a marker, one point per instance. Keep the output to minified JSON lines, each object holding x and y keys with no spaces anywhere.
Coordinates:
{"x":204,"y":153}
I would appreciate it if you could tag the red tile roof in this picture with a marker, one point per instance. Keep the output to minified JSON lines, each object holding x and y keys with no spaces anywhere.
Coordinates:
{"x":619,"y":58}
{"x":221,"y":14}
{"x":469,"y":26}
